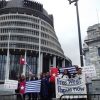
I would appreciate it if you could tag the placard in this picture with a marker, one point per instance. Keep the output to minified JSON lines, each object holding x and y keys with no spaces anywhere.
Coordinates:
{"x":89,"y":71}
{"x":11,"y":84}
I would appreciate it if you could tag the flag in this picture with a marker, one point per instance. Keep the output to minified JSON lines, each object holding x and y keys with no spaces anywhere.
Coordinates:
{"x":22,"y":87}
{"x":71,"y":70}
{"x":53,"y":74}
{"x":33,"y":86}
{"x":22,"y":60}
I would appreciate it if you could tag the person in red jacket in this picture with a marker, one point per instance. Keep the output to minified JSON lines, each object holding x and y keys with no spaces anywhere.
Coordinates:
{"x":22,"y":86}
{"x":53,"y":73}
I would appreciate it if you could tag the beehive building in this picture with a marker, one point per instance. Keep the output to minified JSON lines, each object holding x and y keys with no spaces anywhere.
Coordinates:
{"x":27,"y":30}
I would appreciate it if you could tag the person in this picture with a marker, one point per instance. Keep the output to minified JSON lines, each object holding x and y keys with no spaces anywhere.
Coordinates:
{"x":48,"y":84}
{"x":32,"y":77}
{"x":44,"y":87}
{"x":65,"y":74}
{"x":34,"y":95}
{"x":79,"y":72}
{"x":22,"y":86}
{"x":79,"y":75}
{"x":18,"y":89}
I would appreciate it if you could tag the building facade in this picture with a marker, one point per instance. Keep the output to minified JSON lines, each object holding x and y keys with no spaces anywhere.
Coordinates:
{"x":92,"y":47}
{"x":27,"y":30}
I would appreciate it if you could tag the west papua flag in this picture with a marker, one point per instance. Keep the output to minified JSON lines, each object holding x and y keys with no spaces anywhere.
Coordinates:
{"x":53,"y":74}
{"x":30,"y":86}
{"x":22,"y":87}
{"x":22,"y":60}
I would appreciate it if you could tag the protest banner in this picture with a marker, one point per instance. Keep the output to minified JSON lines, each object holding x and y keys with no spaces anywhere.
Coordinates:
{"x":90,"y":73}
{"x":11,"y":84}
{"x":71,"y":86}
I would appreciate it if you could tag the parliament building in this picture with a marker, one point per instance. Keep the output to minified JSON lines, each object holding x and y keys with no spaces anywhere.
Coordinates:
{"x":27,"y":30}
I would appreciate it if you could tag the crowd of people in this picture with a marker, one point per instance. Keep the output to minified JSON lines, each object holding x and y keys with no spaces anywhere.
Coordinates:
{"x":47,"y":90}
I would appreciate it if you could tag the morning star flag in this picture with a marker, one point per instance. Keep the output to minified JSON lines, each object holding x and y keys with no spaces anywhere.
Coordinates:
{"x":22,"y":61}
{"x":71,"y":70}
{"x":33,"y":86}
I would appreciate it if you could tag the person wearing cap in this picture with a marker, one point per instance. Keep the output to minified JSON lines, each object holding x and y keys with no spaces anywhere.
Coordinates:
{"x":79,"y":72}
{"x":79,"y":75}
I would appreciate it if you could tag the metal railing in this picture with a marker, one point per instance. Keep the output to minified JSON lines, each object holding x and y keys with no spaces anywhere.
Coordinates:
{"x":11,"y":97}
{"x":80,"y":97}
{"x":63,"y":97}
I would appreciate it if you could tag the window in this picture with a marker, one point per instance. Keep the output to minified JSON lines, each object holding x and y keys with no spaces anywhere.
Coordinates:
{"x":99,"y":51}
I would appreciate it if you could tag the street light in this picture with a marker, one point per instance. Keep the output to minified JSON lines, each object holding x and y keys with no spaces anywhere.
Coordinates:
{"x":79,"y":31}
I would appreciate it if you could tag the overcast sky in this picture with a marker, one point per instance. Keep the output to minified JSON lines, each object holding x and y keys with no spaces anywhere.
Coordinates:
{"x":65,"y":22}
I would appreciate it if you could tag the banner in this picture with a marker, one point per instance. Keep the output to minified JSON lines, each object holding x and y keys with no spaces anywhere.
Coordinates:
{"x":11,"y":84}
{"x":71,"y":86}
{"x":89,"y":71}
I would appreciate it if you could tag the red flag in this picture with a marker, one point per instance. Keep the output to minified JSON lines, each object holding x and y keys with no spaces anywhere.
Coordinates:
{"x":53,"y":74}
{"x":22,"y":61}
{"x":22,"y":87}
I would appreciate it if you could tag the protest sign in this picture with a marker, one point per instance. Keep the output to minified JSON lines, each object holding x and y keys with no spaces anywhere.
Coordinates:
{"x":89,"y":71}
{"x":11,"y":84}
{"x":71,"y":86}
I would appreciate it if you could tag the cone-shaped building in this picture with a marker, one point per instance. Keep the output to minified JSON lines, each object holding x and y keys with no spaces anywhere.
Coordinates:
{"x":27,"y":30}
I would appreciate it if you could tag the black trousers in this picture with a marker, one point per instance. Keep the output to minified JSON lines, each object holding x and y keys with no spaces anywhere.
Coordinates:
{"x":34,"y":96}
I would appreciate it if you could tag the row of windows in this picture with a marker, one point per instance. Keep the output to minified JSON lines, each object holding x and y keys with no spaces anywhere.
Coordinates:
{"x":29,"y":39}
{"x":45,"y":49}
{"x":48,"y":31}
{"x":27,"y":31}
{"x":19,"y":17}
{"x":27,"y":18}
{"x":19,"y":30}
{"x":20,"y":38}
{"x":52,"y":45}
{"x":46,"y":25}
{"x":49,"y":38}
{"x":19,"y":23}
{"x":25,"y":24}
{"x":17,"y":45}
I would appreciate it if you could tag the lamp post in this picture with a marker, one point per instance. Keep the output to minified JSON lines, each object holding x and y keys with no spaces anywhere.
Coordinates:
{"x":79,"y":31}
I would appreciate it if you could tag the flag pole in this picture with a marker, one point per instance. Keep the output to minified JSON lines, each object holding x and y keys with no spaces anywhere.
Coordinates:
{"x":7,"y":63}
{"x":39,"y":62}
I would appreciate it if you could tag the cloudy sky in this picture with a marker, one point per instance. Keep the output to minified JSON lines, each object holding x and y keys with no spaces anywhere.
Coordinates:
{"x":65,"y":22}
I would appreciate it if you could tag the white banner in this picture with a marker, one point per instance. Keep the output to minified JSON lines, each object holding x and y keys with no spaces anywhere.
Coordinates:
{"x":11,"y":84}
{"x":71,"y":86}
{"x":89,"y":71}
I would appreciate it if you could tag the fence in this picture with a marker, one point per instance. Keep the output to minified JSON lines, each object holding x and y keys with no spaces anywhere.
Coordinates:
{"x":63,"y":97}
{"x":80,"y":97}
{"x":20,"y":97}
{"x":11,"y":97}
